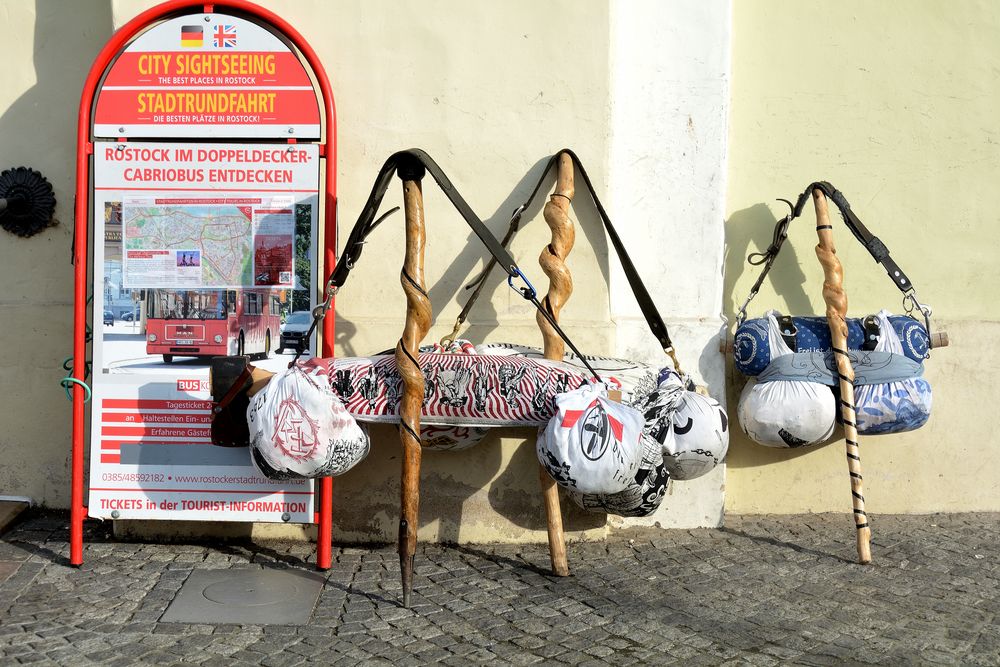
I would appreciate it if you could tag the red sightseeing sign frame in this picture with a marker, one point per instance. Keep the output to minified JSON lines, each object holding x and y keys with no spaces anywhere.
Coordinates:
{"x":169,"y":99}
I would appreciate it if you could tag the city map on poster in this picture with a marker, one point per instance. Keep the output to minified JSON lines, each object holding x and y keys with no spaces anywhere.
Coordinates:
{"x":207,"y":242}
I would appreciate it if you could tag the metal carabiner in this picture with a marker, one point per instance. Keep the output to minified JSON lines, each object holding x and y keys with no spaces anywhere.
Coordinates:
{"x":910,"y":303}
{"x":448,"y":339}
{"x":528,"y":292}
{"x":515,"y":217}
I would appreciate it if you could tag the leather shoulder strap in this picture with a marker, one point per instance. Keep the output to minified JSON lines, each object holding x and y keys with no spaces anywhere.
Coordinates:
{"x":411,"y":165}
{"x":646,"y":305}
{"x":874,"y":245}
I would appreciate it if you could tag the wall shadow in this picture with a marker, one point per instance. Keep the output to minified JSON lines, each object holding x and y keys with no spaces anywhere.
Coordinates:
{"x":750,"y":230}
{"x":39,"y":128}
{"x":483,"y":319}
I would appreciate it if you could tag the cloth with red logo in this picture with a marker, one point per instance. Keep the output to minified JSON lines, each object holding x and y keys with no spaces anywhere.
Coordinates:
{"x":299,"y":427}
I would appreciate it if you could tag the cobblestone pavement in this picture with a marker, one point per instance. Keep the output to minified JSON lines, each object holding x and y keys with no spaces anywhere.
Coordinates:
{"x":762,"y":591}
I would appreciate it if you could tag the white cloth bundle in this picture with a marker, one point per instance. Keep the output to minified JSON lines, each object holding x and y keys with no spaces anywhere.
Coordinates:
{"x":642,"y":496}
{"x":691,"y":430}
{"x":786,"y":413}
{"x":591,"y":444}
{"x":700,"y":437}
{"x":299,"y":427}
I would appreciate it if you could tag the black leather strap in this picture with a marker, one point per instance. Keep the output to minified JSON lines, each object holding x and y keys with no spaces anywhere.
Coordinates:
{"x":874,"y":245}
{"x":411,"y":165}
{"x":646,"y":305}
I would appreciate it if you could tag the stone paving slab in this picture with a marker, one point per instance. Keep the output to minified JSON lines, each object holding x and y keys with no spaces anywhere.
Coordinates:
{"x":761,"y":591}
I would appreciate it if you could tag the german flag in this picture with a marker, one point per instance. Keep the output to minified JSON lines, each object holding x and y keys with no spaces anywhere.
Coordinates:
{"x":192,"y":36}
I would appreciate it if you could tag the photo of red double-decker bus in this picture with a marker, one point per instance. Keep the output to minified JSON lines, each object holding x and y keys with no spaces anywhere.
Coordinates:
{"x":208,"y":323}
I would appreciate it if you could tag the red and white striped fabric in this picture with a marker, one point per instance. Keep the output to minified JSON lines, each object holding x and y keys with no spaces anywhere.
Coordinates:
{"x":461,"y":389}
{"x":470,"y":388}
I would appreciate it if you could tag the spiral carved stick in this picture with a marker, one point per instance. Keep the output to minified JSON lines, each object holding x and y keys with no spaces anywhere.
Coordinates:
{"x":553,"y":257}
{"x":836,"y":316}
{"x":418,"y":321}
{"x":552,"y":261}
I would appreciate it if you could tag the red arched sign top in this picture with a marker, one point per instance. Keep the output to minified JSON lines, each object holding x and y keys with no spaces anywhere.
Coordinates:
{"x":225,"y":70}
{"x":207,"y":75}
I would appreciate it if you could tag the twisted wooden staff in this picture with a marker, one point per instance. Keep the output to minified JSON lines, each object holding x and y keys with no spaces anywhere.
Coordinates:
{"x":836,"y":316}
{"x":553,"y":263}
{"x":418,"y":321}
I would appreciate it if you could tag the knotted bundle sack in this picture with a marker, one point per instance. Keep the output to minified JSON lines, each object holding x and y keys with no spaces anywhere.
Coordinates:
{"x":644,"y":493}
{"x":591,"y":444}
{"x":784,"y":412}
{"x":791,"y":402}
{"x":299,"y":427}
{"x":901,"y":400}
{"x":684,"y":436}
{"x":691,"y":430}
{"x":792,"y":398}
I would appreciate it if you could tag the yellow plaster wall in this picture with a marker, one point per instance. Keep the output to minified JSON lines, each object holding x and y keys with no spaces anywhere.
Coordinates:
{"x":896,"y":104}
{"x":489,"y":90}
{"x":48,"y":46}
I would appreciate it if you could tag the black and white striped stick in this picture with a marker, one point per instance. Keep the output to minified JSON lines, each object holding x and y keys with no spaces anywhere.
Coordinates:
{"x":836,"y":316}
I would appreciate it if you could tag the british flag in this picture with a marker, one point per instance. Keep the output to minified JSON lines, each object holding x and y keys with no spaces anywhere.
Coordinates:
{"x":225,"y":36}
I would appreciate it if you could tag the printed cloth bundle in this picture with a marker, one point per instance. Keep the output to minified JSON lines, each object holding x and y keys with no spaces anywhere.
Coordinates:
{"x":683,"y":435}
{"x":299,"y":427}
{"x":791,"y":397}
{"x":471,"y":389}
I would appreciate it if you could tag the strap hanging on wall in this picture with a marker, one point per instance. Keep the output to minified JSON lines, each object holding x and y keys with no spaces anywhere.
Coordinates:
{"x":875,"y":247}
{"x":411,"y":165}
{"x":642,"y":297}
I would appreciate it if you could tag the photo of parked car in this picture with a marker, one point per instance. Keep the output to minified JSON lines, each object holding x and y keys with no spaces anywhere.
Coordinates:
{"x":293,"y":331}
{"x":109,"y":318}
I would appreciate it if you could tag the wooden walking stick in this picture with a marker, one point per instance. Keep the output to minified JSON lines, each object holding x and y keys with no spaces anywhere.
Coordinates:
{"x":552,"y":261}
{"x":418,"y":321}
{"x":836,"y":316}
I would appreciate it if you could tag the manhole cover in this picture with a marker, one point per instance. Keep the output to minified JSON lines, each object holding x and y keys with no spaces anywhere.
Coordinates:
{"x":257,"y":597}
{"x":253,"y":590}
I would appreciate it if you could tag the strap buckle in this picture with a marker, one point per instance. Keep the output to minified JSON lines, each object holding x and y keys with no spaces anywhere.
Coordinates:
{"x":670,"y":352}
{"x":741,"y":314}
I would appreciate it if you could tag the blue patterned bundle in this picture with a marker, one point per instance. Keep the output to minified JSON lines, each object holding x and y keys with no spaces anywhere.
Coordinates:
{"x":752,"y":354}
{"x":891,"y":396}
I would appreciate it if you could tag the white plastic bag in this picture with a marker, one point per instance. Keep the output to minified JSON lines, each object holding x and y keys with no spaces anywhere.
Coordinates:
{"x":786,"y":413}
{"x":298,"y":426}
{"x":591,"y":444}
